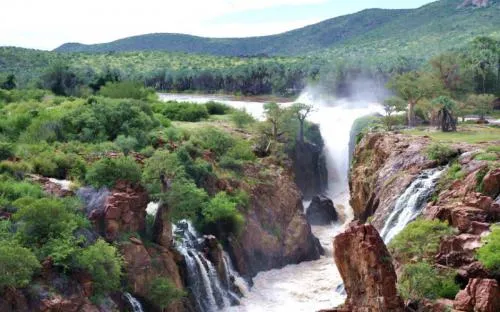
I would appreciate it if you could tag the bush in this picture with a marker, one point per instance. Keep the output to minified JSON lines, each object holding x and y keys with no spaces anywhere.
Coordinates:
{"x":419,"y":239}
{"x":12,"y":190}
{"x":242,"y":150}
{"x":126,"y":143}
{"x":103,"y":262}
{"x":216,"y":108}
{"x":17,"y":265}
{"x":184,"y":111}
{"x":489,"y":253}
{"x":486,"y":156}
{"x":162,"y":292}
{"x":125,"y":90}
{"x":221,"y":218}
{"x":185,"y":200}
{"x":162,"y":163}
{"x":241,"y":118}
{"x":6,"y":150}
{"x":15,"y":168}
{"x":440,"y":152}
{"x":421,"y":280}
{"x":215,"y":140}
{"x":107,"y":171}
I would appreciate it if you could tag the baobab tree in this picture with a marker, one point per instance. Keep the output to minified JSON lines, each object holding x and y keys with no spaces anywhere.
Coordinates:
{"x":301,"y":111}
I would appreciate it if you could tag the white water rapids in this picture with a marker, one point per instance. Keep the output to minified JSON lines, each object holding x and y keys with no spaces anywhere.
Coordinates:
{"x":308,"y":286}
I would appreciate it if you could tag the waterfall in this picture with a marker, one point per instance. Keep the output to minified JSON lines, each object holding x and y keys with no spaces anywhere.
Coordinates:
{"x":134,"y":303}
{"x":410,"y":204}
{"x":93,"y":199}
{"x":209,"y":292}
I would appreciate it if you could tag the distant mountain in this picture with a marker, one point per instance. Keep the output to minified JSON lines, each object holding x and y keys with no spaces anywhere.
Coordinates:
{"x":446,"y":22}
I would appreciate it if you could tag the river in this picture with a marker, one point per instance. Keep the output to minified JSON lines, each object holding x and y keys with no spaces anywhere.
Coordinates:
{"x":308,"y":286}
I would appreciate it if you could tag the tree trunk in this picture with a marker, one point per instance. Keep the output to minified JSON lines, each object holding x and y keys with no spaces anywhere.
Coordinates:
{"x":411,"y":114}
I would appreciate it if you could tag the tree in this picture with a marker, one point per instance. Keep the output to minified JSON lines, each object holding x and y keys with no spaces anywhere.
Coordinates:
{"x":413,"y":87}
{"x":301,"y":111}
{"x":452,"y":73}
{"x":276,"y":116}
{"x":103,"y":262}
{"x":17,"y":265}
{"x":107,"y":171}
{"x":481,"y":104}
{"x":61,"y":80}
{"x":162,"y":292}
{"x":221,"y":217}
{"x":446,"y":120}
{"x":9,"y":83}
{"x":241,"y":118}
{"x":485,"y":58}
{"x":391,"y":106}
{"x":126,"y":143}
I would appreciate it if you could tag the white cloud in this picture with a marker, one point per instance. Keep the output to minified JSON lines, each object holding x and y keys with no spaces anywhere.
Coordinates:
{"x":47,"y":24}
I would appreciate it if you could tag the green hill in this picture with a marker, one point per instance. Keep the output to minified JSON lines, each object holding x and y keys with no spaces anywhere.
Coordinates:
{"x":434,"y":27}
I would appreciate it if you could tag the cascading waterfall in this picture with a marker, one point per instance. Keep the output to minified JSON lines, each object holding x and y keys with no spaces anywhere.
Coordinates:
{"x":307,"y":286}
{"x":209,"y":292}
{"x":410,"y":204}
{"x":133,"y":302}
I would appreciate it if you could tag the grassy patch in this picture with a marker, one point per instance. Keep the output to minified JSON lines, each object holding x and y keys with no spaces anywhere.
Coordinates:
{"x":466,"y":133}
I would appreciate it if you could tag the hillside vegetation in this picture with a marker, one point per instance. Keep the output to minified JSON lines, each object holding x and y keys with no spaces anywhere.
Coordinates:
{"x":432,"y":28}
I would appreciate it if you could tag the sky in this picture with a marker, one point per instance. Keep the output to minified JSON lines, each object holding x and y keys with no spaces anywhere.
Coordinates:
{"x":46,"y":24}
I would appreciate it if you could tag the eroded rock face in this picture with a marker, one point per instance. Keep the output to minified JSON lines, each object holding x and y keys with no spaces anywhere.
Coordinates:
{"x":481,"y":295}
{"x":366,"y":268}
{"x":125,"y":210}
{"x":384,"y":166}
{"x":321,"y":211}
{"x":276,"y":231}
{"x":311,"y":175}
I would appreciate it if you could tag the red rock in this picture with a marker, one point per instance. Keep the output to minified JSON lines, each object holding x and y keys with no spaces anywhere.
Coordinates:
{"x":480,"y":295}
{"x":366,"y":268}
{"x":491,"y":183}
{"x":472,"y":270}
{"x":478,"y":201}
{"x":458,"y":250}
{"x":462,"y":217}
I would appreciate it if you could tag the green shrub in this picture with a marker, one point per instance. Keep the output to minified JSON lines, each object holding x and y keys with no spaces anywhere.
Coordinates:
{"x":103,"y":262}
{"x":421,"y":280}
{"x":185,"y":200}
{"x":486,"y":156}
{"x":221,"y":218}
{"x":162,"y":163}
{"x":241,"y":118}
{"x":107,"y":171}
{"x":480,"y":179}
{"x":126,"y":144}
{"x":440,"y":152}
{"x":489,"y":253}
{"x":199,"y":170}
{"x":419,"y":240}
{"x":12,"y":190}
{"x":15,"y":168}
{"x":216,"y":108}
{"x":17,"y":265}
{"x":242,"y":150}
{"x":125,"y":90}
{"x":6,"y":150}
{"x":184,"y":111}
{"x":215,"y":140}
{"x":231,"y":163}
{"x":162,"y":292}
{"x":493,"y":149}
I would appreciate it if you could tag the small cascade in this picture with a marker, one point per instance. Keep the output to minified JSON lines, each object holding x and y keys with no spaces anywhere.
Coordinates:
{"x":93,"y":199}
{"x":410,"y":204}
{"x":133,"y":302}
{"x":209,"y":291}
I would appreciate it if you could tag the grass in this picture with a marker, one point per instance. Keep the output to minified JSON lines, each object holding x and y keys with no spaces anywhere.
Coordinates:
{"x":466,"y":133}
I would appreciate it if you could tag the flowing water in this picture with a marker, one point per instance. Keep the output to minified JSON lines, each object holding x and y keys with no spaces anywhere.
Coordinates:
{"x":410,"y":204}
{"x":133,"y":302}
{"x":308,"y":286}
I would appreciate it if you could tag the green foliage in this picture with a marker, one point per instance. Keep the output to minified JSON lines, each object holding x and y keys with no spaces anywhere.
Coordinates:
{"x":440,"y":152}
{"x":12,"y":190}
{"x":422,"y":281}
{"x":162,"y":292}
{"x":480,"y":179}
{"x":419,"y":240}
{"x":61,"y":80}
{"x":162,"y":163}
{"x":221,"y":218}
{"x":185,"y":200}
{"x":107,"y":171}
{"x":493,"y":149}
{"x":481,"y":104}
{"x":241,"y":118}
{"x":489,"y":253}
{"x":126,"y":90}
{"x":216,"y":108}
{"x":216,"y":140}
{"x":183,"y":111}
{"x":103,"y":262}
{"x":17,"y":265}
{"x":6,"y":150}
{"x":392,"y":105}
{"x":126,"y":143}
{"x":486,"y":156}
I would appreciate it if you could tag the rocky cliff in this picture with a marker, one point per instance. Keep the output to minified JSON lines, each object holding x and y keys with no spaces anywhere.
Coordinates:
{"x":309,"y":166}
{"x":276,"y":231}
{"x":383,"y":167}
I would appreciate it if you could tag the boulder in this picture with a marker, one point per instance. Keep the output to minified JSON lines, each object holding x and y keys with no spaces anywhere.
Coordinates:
{"x":480,"y":295}
{"x":491,"y":183}
{"x":162,"y":228}
{"x":366,"y":268}
{"x":463,"y":216}
{"x":321,"y":211}
{"x":457,"y":251}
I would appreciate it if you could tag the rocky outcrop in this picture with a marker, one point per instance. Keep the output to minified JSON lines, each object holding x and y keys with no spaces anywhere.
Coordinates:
{"x":124,"y":211}
{"x":480,"y":295}
{"x":276,"y":231}
{"x":144,"y":264}
{"x":309,"y":164}
{"x":474,"y":3}
{"x":383,"y":167}
{"x":57,"y":188}
{"x":366,"y":268}
{"x":162,"y":228}
{"x":321,"y":211}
